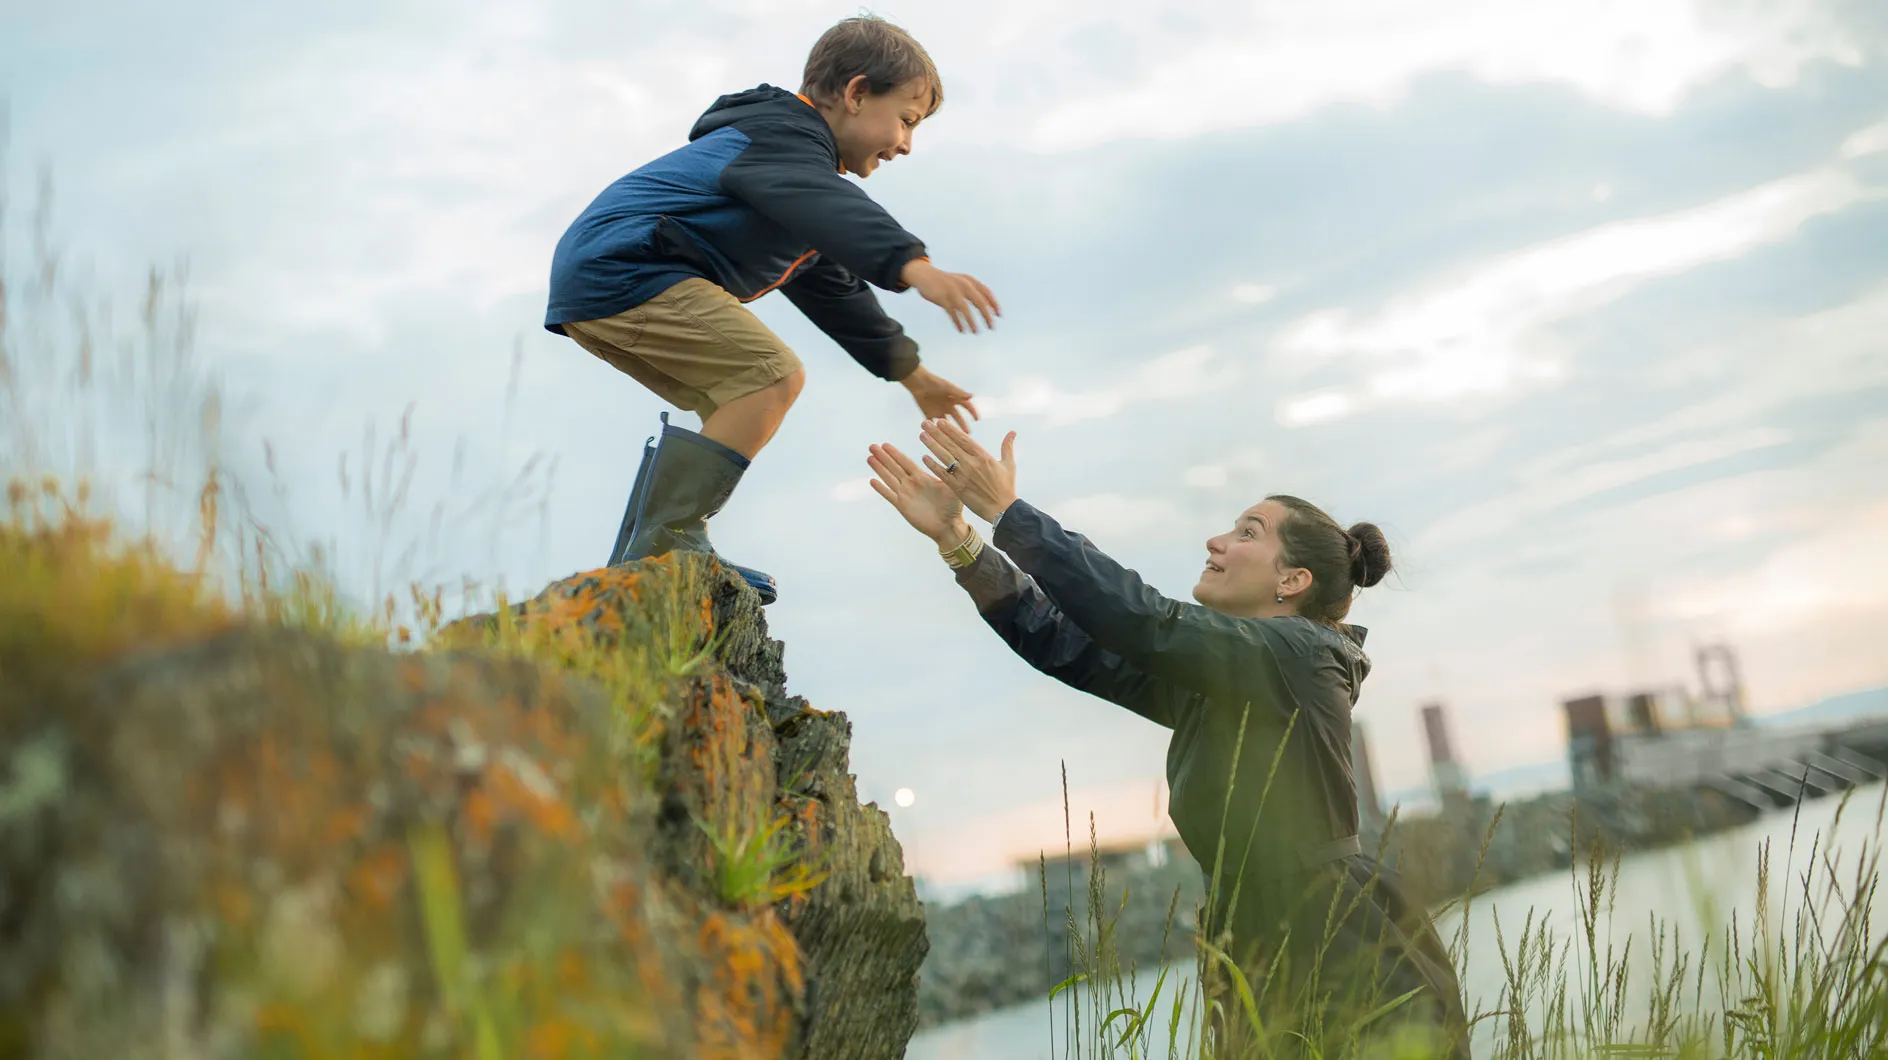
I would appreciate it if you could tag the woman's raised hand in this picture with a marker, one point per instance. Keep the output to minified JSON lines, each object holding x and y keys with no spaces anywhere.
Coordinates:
{"x":985,"y":484}
{"x":927,"y":504}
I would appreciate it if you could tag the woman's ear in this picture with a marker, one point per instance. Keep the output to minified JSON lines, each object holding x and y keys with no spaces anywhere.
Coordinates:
{"x":1296,"y":581}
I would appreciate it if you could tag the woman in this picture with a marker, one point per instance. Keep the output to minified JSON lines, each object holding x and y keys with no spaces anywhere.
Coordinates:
{"x":1257,"y":682}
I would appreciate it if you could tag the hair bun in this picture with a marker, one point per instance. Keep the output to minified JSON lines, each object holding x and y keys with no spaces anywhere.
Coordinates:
{"x":1369,"y":554}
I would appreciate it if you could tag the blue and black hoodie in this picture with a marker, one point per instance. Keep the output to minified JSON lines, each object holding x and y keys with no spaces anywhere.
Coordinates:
{"x":755,"y":201}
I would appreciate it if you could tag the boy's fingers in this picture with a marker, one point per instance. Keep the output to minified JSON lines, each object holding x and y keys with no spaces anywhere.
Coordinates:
{"x":972,"y":406}
{"x":989,"y":296}
{"x":981,"y":296}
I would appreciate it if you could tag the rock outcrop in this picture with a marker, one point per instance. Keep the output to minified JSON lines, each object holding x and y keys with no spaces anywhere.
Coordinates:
{"x":595,"y":825}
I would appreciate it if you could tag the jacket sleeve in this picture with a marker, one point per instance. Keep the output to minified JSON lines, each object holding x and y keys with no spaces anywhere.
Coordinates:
{"x":841,"y":305}
{"x":1013,"y":605}
{"x":789,"y":174}
{"x":1218,"y":656}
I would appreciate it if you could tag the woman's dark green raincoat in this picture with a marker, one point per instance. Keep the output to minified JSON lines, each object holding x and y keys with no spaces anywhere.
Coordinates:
{"x":1293,"y":884}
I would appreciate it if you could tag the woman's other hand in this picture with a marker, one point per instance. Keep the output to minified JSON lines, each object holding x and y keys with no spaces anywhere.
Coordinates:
{"x":927,"y":504}
{"x":985,"y":484}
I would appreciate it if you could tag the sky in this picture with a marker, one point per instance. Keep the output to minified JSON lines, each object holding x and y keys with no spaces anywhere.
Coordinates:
{"x":1584,"y":303}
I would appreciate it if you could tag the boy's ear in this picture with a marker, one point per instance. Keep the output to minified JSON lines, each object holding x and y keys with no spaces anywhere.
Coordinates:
{"x":856,"y":90}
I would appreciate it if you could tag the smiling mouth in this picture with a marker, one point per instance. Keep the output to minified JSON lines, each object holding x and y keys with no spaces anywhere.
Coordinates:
{"x":1215,"y":568}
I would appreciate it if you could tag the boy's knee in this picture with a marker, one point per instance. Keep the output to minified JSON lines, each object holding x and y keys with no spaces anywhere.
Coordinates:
{"x":792,"y":384}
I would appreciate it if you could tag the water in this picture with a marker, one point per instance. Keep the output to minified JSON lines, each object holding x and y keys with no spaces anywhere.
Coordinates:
{"x":1693,"y":889}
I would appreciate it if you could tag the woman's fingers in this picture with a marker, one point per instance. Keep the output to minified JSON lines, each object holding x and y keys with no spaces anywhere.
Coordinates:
{"x":961,"y":440}
{"x":934,"y":441}
{"x":906,"y":466}
{"x":938,"y":470}
{"x":900,"y":473}
{"x":883,"y":466}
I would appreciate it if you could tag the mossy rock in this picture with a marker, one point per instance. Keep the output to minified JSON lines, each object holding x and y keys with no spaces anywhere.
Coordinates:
{"x":220,"y":837}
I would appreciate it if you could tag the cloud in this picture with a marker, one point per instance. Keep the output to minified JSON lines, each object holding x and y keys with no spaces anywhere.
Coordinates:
{"x":853,"y":489}
{"x":1253,"y":293}
{"x":1279,"y":61}
{"x":1113,"y":517}
{"x":1824,"y":576}
{"x":1482,"y":332}
{"x":1172,"y":377}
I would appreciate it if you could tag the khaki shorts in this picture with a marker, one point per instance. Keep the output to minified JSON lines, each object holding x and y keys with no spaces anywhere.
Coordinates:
{"x":694,"y":344}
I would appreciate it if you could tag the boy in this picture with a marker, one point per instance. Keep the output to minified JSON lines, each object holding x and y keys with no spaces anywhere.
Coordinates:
{"x":651,"y":276}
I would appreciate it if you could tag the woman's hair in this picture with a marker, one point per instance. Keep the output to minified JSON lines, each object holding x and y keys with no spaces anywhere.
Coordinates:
{"x":1340,"y":561}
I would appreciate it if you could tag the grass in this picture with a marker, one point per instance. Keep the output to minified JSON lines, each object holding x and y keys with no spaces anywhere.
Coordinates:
{"x":760,"y":866}
{"x":1806,"y":976}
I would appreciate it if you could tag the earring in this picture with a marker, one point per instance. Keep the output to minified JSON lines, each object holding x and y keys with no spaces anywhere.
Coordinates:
{"x":1281,"y":598}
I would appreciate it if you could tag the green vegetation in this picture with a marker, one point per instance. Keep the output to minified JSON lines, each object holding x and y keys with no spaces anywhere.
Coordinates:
{"x":1805,"y":978}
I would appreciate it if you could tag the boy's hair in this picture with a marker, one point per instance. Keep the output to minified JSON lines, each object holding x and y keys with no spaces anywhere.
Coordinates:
{"x":887,"y":56}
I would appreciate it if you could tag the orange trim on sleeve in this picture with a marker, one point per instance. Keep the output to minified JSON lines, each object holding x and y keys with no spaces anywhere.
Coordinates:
{"x":784,"y":277}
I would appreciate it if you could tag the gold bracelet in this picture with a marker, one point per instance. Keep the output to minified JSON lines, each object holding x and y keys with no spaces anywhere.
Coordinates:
{"x":965,"y":554}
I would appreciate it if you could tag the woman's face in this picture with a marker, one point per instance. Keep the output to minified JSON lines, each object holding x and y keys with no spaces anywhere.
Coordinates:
{"x":1243,"y":575}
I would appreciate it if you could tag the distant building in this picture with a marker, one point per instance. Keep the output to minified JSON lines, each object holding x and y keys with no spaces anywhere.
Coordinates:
{"x":1589,"y":741}
{"x":1114,"y":858}
{"x":1666,"y":737}
{"x":1369,"y":805}
{"x":1721,"y":698}
{"x":1445,"y":770}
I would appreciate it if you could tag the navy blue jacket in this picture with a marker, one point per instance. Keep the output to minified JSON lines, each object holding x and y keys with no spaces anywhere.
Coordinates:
{"x":754,"y":202}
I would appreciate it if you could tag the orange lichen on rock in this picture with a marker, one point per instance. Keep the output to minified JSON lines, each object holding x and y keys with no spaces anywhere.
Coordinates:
{"x":752,"y":1001}
{"x":436,"y":853}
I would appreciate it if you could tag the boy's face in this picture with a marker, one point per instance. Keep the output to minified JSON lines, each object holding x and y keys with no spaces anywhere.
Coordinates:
{"x":877,"y":128}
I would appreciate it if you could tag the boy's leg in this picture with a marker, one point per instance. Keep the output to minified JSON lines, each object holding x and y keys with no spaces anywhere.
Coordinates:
{"x":748,"y":423}
{"x":699,"y":348}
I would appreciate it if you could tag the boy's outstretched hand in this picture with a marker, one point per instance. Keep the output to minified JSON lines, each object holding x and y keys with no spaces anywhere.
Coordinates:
{"x":938,"y":397}
{"x":956,"y":293}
